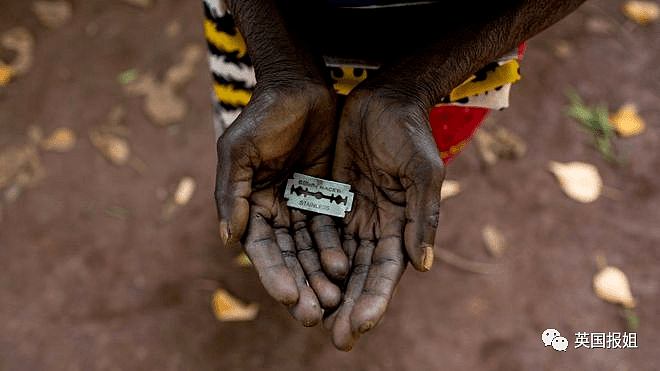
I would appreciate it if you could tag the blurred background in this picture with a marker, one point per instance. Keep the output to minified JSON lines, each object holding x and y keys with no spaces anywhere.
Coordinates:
{"x":109,"y":252}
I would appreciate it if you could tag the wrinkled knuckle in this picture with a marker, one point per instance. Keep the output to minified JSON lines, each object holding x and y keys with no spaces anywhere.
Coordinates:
{"x":288,"y":254}
{"x":386,"y":262}
{"x":433,"y":220}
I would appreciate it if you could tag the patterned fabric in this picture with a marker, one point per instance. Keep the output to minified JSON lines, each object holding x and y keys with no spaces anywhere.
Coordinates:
{"x":453,"y":121}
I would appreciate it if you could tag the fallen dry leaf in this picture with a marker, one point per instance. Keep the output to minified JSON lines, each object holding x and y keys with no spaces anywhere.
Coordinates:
{"x":113,"y":147}
{"x":182,"y":195}
{"x":173,"y":28}
{"x":485,"y":143}
{"x":161,"y":103}
{"x":494,"y":240}
{"x":63,"y":139}
{"x":164,"y":107}
{"x":5,"y":74}
{"x":227,"y":308}
{"x":627,"y":122}
{"x":579,"y":181}
{"x":52,"y":14}
{"x":19,"y":40}
{"x":181,"y":73}
{"x":642,"y":12}
{"x":20,"y":165}
{"x":184,"y":190}
{"x":510,"y":145}
{"x":501,"y":143}
{"x":611,"y":284}
{"x":449,"y":188}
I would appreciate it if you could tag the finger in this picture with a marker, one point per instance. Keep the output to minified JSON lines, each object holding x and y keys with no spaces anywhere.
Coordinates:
{"x":327,"y":292}
{"x":326,"y":237}
{"x":422,"y":181}
{"x":343,"y":337}
{"x":349,"y":246}
{"x":262,"y":249}
{"x":307,"y":310}
{"x":387,"y":266}
{"x":233,"y":184}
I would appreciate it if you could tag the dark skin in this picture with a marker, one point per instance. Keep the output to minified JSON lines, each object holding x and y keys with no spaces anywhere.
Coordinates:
{"x":379,"y":141}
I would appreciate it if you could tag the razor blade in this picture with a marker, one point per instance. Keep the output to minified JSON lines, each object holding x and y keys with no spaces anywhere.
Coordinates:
{"x":318,"y":195}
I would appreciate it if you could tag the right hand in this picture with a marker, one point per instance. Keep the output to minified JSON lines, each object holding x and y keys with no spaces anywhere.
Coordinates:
{"x":282,"y":130}
{"x":386,"y":152}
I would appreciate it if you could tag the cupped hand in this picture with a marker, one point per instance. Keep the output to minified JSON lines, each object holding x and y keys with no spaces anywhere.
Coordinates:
{"x":386,"y":152}
{"x":282,"y":130}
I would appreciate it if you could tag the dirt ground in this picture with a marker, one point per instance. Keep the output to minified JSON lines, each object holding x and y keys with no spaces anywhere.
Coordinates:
{"x":82,"y":288}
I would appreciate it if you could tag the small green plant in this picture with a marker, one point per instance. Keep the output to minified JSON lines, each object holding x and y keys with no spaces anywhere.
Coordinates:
{"x":595,"y":121}
{"x":128,"y":76}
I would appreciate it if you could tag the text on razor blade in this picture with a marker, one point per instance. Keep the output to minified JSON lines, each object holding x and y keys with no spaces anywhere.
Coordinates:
{"x":318,"y":195}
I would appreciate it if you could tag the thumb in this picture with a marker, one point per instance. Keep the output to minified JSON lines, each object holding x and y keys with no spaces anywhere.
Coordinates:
{"x":233,"y":186}
{"x":422,"y":180}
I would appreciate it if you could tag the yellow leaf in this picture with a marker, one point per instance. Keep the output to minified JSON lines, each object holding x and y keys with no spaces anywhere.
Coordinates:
{"x":116,"y":149}
{"x":494,"y":240}
{"x":228,"y":308}
{"x":5,"y":74}
{"x":642,"y":12}
{"x":612,"y":285}
{"x":578,"y":180}
{"x":184,"y":190}
{"x":627,"y":122}
{"x":449,"y":188}
{"x":63,"y":139}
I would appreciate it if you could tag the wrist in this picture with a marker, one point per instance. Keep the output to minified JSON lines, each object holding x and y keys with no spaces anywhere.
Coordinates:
{"x":406,"y":93}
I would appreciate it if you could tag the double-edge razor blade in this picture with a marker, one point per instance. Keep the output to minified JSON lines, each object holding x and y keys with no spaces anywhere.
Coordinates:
{"x":318,"y":195}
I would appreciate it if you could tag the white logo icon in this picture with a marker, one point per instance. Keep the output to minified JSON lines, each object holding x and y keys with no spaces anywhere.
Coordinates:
{"x":548,"y":335}
{"x":560,"y":343}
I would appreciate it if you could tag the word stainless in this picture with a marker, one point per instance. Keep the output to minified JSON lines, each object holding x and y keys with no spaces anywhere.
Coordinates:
{"x":318,"y":195}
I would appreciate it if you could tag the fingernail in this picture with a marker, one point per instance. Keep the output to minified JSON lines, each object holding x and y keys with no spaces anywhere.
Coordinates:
{"x":427,"y":259}
{"x":224,"y":231}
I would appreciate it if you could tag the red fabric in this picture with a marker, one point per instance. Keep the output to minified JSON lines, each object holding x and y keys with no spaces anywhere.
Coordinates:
{"x":453,"y":126}
{"x":521,"y":49}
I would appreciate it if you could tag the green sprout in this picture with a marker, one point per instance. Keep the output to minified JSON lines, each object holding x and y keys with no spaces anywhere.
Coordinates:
{"x":128,"y":76}
{"x":632,"y":321}
{"x":595,"y":121}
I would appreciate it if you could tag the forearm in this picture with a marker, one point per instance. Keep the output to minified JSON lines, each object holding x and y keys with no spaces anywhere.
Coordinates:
{"x":432,"y":71}
{"x":277,"y":53}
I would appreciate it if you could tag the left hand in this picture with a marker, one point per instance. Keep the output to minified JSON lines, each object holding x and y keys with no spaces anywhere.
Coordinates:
{"x":282,"y":130}
{"x":386,"y":151}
